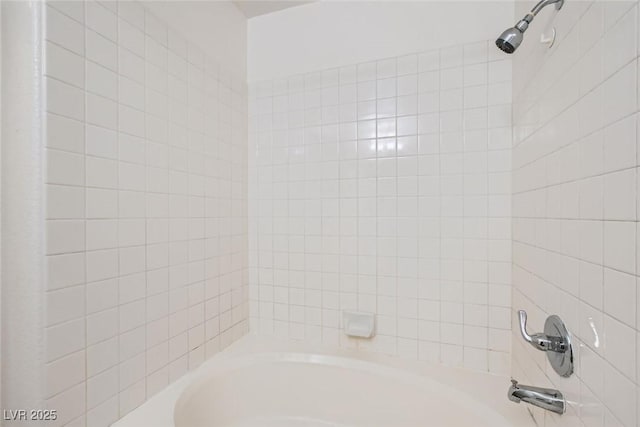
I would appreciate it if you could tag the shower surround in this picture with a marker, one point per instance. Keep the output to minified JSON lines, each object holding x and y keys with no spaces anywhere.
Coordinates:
{"x":384,"y":187}
{"x":146,"y":199}
{"x":381,"y":185}
{"x":575,"y":198}
{"x":172,"y":207}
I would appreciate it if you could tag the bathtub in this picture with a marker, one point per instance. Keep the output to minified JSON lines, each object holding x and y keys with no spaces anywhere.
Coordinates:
{"x":262,"y":383}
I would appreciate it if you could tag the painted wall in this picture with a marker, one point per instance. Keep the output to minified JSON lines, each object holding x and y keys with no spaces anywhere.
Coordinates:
{"x":0,"y":210}
{"x":575,"y":206}
{"x":330,"y":34}
{"x":146,"y":166}
{"x":23,"y":308}
{"x":383,"y":186}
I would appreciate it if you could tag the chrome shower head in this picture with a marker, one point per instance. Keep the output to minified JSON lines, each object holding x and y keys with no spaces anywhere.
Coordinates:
{"x":511,"y":38}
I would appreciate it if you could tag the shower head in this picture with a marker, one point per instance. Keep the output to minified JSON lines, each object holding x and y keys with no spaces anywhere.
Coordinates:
{"x":511,"y":38}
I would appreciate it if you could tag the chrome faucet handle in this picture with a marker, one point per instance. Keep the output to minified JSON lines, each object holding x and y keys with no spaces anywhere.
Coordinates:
{"x":540,"y":341}
{"x":555,"y":341}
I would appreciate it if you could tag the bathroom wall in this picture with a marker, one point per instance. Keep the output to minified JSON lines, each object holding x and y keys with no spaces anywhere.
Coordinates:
{"x":146,"y":185}
{"x":216,"y":27}
{"x":575,"y":205}
{"x":324,"y":35}
{"x":384,"y":187}
{"x":0,"y":211}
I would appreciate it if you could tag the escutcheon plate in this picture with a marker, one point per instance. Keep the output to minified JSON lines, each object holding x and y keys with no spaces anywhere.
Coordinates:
{"x":562,"y":363}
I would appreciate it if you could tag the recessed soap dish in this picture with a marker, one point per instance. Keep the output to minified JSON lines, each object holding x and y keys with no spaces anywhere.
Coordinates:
{"x":358,"y":324}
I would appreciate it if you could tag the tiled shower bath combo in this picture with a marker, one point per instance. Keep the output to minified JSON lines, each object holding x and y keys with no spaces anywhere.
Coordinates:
{"x":319,"y":213}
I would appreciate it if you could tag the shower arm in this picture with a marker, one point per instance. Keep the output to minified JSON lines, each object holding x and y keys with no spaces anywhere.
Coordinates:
{"x":523,"y":24}
{"x":544,"y":3}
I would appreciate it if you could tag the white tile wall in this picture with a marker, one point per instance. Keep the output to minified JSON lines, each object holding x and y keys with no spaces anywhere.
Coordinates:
{"x":146,"y":208}
{"x":385,"y":187}
{"x":575,"y":195}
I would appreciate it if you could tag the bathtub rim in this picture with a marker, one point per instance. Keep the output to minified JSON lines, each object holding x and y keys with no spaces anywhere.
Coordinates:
{"x":402,"y":376}
{"x":159,"y":409}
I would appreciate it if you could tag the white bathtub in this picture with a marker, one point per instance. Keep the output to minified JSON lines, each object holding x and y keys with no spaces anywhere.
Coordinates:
{"x":261,"y":383}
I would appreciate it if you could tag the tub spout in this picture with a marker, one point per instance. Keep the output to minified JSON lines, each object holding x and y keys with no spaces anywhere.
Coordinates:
{"x":545,"y":398}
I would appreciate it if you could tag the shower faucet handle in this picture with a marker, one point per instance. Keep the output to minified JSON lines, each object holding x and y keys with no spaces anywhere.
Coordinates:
{"x":555,"y":341}
{"x":541,"y":341}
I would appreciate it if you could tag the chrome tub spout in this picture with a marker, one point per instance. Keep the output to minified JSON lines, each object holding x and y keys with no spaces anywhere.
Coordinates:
{"x":545,"y":398}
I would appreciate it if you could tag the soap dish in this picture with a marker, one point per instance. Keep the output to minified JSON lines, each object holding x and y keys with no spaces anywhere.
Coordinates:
{"x":358,"y":324}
